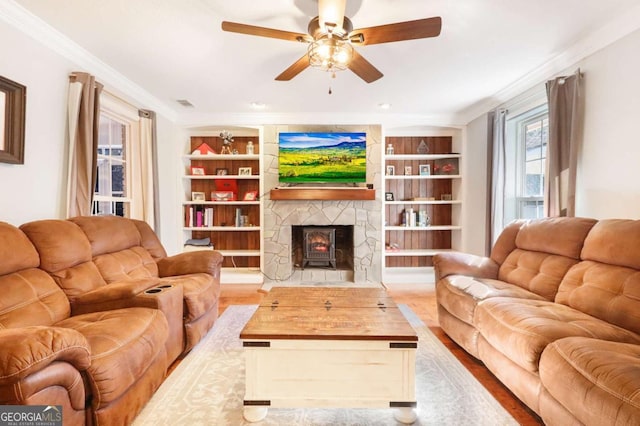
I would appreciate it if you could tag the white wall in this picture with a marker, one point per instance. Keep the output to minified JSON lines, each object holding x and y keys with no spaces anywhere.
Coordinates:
{"x":608,"y":181}
{"x":35,"y":189}
{"x":608,"y":176}
{"x":475,"y":187}
{"x":170,"y":151}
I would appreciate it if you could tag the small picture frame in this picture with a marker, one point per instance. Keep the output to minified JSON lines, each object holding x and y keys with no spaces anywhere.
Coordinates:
{"x":425,"y":169}
{"x":197,"y":171}
{"x":244,"y":171}
{"x":388,"y":196}
{"x":251,"y":196}
{"x":408,"y":171}
{"x":446,"y":197}
{"x":391,"y":170}
{"x":222,"y":196}
{"x":222,"y":171}
{"x":198,"y":197}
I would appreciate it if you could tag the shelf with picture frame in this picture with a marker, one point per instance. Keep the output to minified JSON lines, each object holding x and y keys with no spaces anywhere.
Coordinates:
{"x":421,"y":184}
{"x":231,"y":184}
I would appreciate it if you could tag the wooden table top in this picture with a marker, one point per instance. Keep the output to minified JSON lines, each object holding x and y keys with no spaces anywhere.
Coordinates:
{"x":328,"y":313}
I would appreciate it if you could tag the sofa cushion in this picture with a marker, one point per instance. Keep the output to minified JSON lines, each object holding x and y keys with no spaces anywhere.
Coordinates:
{"x":563,"y":236}
{"x":611,"y":293}
{"x":460,"y":294}
{"x":522,"y":328}
{"x":65,"y":253}
{"x":545,"y":250}
{"x":124,"y":343}
{"x":16,"y":251}
{"x":131,"y":263}
{"x":61,"y":244}
{"x":108,"y":234}
{"x":31,"y":297}
{"x":540,"y":273}
{"x":614,"y":242}
{"x":595,"y":380}
{"x":150,"y":240}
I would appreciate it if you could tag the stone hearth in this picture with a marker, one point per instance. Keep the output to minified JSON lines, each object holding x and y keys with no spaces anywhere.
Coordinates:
{"x":364,"y":216}
{"x":367,"y":244}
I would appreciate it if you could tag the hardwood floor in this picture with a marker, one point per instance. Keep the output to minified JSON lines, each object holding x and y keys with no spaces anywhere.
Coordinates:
{"x":421,"y":299}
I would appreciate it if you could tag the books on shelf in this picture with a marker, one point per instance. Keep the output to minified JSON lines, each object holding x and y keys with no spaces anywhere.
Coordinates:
{"x":414,"y":218}
{"x":198,"y":216}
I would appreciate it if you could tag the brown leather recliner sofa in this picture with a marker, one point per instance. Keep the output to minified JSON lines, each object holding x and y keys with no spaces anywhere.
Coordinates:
{"x":554,"y":313}
{"x":93,"y":312}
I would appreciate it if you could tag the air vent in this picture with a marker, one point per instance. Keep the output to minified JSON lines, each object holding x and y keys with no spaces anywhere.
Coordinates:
{"x":185,"y":103}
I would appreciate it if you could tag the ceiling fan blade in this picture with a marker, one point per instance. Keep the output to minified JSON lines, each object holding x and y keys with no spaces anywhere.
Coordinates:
{"x":296,"y":68}
{"x":363,"y":68}
{"x":332,"y":12}
{"x":235,"y":27}
{"x":409,"y":30}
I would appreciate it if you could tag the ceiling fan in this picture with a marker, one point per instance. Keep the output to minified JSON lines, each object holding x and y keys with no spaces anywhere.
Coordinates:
{"x":331,"y":38}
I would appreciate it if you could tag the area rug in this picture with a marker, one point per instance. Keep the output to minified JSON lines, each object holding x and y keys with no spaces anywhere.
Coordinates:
{"x":207,"y":387}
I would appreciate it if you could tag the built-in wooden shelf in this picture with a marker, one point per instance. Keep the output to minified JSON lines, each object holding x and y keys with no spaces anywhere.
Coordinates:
{"x":323,"y":194}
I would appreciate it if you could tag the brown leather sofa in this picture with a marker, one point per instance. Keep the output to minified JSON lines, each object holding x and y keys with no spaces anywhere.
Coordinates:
{"x":107,"y":261}
{"x":101,"y":367}
{"x":554,"y":313}
{"x":96,"y":313}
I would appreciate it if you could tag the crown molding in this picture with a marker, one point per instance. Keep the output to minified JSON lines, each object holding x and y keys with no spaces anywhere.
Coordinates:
{"x":604,"y":36}
{"x":39,"y":30}
{"x":266,"y":118}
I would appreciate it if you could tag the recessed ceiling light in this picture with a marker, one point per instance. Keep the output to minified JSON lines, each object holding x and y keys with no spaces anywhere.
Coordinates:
{"x":384,"y":106}
{"x":258,"y":105}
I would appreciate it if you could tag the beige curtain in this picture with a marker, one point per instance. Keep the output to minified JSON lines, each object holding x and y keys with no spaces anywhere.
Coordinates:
{"x":83,"y":111}
{"x":143,"y":154}
{"x":565,"y":137}
{"x":496,"y":176}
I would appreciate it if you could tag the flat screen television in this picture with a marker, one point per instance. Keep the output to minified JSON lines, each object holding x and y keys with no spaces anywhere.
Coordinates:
{"x":322,"y":157}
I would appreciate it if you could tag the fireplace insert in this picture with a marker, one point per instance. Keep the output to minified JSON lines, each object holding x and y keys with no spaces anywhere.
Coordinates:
{"x":319,"y":246}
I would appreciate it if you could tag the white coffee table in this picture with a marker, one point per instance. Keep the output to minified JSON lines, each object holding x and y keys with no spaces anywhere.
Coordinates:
{"x":329,"y":347}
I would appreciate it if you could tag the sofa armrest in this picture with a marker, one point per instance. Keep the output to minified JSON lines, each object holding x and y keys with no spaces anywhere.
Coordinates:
{"x":194,"y":262}
{"x":116,"y":295}
{"x":456,"y":263}
{"x":26,"y":350}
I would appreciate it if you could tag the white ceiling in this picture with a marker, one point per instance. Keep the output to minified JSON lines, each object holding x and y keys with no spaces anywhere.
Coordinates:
{"x":488,"y":49}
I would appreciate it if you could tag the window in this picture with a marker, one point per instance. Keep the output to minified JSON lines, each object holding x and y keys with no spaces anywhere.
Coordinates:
{"x":527,"y":135}
{"x":118,"y":135}
{"x":532,"y":143}
{"x":111,"y":196}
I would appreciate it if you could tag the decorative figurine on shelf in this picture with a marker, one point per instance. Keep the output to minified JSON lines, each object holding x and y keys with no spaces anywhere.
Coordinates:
{"x":227,"y":140}
{"x":423,"y":148}
{"x":389,"y":149}
{"x":250,"y":148}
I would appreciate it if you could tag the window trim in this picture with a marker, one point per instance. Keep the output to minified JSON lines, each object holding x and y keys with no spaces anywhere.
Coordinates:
{"x":120,"y":111}
{"x":521,"y":121}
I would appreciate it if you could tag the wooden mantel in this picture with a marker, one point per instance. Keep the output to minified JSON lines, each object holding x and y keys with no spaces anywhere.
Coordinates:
{"x":300,"y":193}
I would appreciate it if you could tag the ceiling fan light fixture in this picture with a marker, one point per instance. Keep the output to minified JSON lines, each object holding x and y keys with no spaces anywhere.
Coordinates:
{"x":330,"y":54}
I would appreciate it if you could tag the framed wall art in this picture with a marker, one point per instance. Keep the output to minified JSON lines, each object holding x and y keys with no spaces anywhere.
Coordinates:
{"x":13,"y":100}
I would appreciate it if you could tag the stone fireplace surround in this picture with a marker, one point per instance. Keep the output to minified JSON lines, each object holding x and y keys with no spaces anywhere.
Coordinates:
{"x":365,"y":216}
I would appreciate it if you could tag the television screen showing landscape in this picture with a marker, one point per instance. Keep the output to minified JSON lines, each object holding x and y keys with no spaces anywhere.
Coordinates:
{"x":322,"y":157}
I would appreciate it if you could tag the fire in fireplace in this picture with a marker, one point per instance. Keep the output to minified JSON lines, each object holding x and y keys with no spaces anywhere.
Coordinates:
{"x":322,"y":246}
{"x":319,"y":246}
